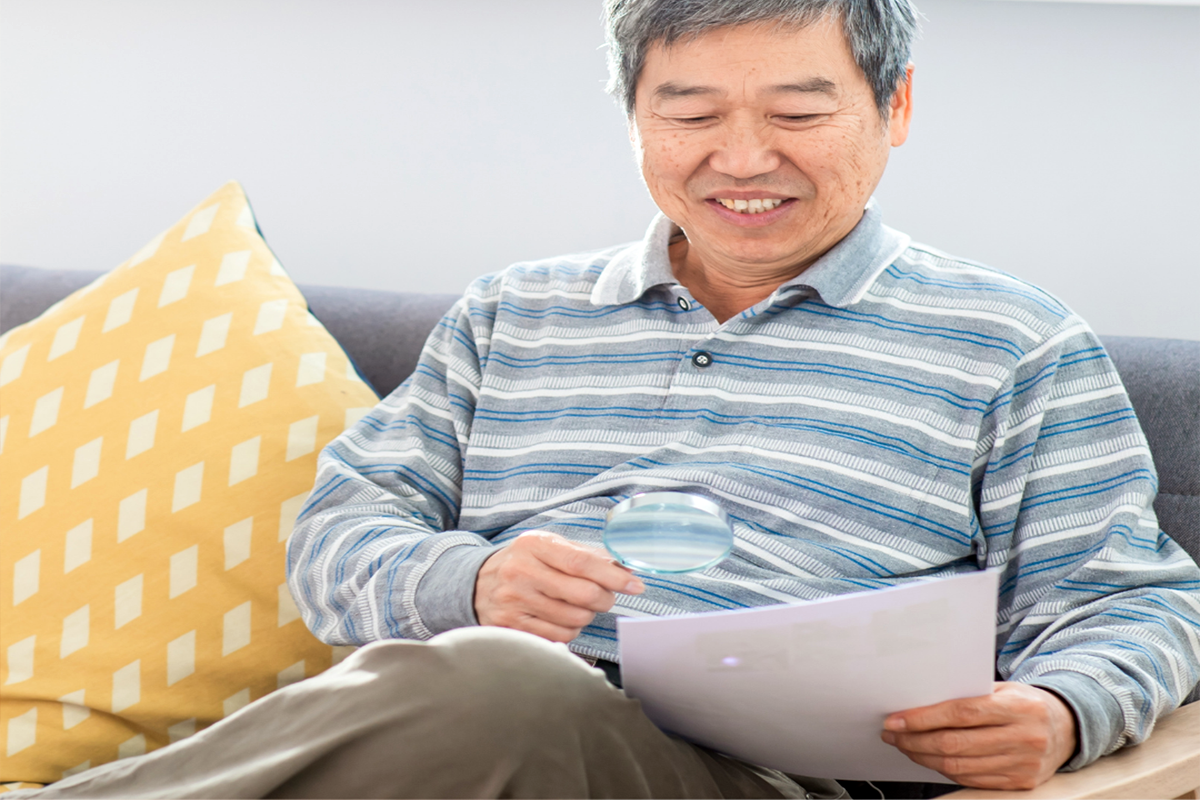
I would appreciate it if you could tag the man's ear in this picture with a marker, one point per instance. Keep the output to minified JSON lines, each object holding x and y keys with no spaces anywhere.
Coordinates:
{"x":900,"y":109}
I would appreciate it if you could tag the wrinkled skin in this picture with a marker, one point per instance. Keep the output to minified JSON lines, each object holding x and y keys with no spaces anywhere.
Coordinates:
{"x":753,"y":111}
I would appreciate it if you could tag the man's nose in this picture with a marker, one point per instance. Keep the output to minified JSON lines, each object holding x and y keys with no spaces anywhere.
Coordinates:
{"x":745,"y":151}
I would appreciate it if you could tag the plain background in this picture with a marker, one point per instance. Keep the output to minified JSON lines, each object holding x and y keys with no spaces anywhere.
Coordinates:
{"x":415,"y":145}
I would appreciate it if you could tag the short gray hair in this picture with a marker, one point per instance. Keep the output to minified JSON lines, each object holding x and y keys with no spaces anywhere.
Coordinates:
{"x":880,"y":33}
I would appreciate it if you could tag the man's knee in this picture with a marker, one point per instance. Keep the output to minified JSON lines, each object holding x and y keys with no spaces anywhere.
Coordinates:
{"x":496,"y":679}
{"x":481,"y":711}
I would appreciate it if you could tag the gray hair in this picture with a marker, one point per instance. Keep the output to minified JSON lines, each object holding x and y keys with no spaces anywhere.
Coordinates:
{"x":880,"y":33}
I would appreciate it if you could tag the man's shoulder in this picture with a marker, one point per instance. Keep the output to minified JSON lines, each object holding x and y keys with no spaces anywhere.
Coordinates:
{"x":564,"y":276}
{"x":925,"y":279}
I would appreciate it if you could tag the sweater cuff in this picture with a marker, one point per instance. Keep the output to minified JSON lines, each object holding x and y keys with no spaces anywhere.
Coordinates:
{"x":1098,"y":717}
{"x":445,"y":597}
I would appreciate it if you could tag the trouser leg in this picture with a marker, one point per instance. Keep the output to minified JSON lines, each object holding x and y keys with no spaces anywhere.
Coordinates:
{"x":478,"y":712}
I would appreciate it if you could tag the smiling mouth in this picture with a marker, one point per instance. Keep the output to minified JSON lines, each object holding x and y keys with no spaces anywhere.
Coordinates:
{"x":755,"y":206}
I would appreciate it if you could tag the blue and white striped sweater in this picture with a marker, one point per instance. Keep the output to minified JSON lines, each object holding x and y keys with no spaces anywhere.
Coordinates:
{"x":891,"y":414}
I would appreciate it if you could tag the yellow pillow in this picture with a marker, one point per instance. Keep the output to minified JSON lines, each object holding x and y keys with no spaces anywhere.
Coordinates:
{"x":158,"y":434}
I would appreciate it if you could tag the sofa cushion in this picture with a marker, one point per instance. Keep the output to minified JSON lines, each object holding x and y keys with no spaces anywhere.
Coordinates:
{"x":159,"y":432}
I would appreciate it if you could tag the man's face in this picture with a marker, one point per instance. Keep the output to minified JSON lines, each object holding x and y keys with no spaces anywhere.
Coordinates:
{"x":762,"y":118}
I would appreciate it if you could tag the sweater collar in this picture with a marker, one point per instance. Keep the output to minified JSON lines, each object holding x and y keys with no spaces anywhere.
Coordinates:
{"x":840,"y":277}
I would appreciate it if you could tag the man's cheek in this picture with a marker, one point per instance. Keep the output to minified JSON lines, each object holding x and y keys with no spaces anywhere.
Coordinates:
{"x":666,"y":176}
{"x":666,"y":158}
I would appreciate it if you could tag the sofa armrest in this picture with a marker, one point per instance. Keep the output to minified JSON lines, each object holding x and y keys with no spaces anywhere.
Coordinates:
{"x":1167,"y":765}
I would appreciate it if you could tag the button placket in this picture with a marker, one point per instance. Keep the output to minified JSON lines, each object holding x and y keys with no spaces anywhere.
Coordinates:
{"x":688,"y":353}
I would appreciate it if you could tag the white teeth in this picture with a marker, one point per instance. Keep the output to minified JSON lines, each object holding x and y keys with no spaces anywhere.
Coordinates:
{"x":755,"y":206}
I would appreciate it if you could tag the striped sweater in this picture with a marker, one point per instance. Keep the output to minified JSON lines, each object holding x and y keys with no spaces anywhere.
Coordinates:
{"x":891,"y":414}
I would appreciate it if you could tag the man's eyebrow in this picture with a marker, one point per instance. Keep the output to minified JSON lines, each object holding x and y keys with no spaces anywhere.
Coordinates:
{"x":671,"y":90}
{"x":810,"y":86}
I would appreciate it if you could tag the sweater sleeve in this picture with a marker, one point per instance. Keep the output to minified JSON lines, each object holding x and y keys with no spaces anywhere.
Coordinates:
{"x":1096,"y":603}
{"x":375,"y":554}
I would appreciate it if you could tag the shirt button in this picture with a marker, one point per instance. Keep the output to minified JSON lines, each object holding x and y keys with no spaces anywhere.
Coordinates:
{"x":702,"y":359}
{"x":684,"y":304}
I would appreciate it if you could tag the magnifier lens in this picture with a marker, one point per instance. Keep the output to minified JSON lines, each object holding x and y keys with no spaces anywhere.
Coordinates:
{"x":668,"y":532}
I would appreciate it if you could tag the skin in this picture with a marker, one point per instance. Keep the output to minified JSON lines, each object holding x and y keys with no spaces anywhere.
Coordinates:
{"x":549,"y":586}
{"x":748,"y":112}
{"x":759,"y":112}
{"x":1014,"y":738}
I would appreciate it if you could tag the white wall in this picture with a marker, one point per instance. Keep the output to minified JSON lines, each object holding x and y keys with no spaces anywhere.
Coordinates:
{"x":414,"y":145}
{"x":1061,"y":142}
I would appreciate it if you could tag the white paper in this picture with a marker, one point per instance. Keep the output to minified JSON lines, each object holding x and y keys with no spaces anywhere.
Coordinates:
{"x":805,"y":688}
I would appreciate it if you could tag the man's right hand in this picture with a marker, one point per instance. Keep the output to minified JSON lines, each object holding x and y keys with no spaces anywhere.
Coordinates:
{"x":546,"y":585}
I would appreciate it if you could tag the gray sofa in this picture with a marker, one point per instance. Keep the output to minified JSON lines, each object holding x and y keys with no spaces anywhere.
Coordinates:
{"x":383,"y":332}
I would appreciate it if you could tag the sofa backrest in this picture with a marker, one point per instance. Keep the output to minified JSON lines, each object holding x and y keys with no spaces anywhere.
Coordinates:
{"x":1162,"y":377}
{"x":383,"y":332}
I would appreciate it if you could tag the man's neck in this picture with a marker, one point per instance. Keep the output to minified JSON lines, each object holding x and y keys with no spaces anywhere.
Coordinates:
{"x":729,"y":289}
{"x":724,"y":293}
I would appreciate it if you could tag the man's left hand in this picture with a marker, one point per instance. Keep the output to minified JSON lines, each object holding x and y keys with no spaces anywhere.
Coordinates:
{"x":1014,"y":738}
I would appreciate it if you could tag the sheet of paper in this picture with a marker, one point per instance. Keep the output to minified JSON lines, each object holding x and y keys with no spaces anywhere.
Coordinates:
{"x":805,"y":688}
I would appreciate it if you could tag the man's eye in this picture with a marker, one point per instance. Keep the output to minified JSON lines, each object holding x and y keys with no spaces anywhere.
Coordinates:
{"x":797,"y":117}
{"x":693,"y":119}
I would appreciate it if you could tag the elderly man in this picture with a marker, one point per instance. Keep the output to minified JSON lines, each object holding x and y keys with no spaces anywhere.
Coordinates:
{"x":869,"y":411}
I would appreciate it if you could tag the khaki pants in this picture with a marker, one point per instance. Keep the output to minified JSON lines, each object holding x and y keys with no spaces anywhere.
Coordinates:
{"x":476,"y":712}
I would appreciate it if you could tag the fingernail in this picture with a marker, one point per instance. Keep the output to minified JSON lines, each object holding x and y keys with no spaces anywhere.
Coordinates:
{"x":895,"y":724}
{"x":634,"y":587}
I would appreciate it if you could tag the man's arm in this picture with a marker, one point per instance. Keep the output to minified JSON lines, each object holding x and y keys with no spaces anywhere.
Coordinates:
{"x":1099,"y":611}
{"x":375,"y":554}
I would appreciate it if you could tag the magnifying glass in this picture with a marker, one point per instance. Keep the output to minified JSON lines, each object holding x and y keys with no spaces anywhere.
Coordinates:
{"x":668,"y":532}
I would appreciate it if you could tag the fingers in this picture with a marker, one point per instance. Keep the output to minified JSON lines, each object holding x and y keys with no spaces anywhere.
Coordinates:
{"x":546,"y":630}
{"x":578,"y":592}
{"x":549,"y":618}
{"x":964,"y":765}
{"x":1008,"y":703}
{"x":969,"y":712}
{"x":987,"y":772}
{"x":1003,"y":781}
{"x":985,"y":758}
{"x":543,"y":584}
{"x":1014,"y":738}
{"x":991,"y":740}
{"x":576,"y":560}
